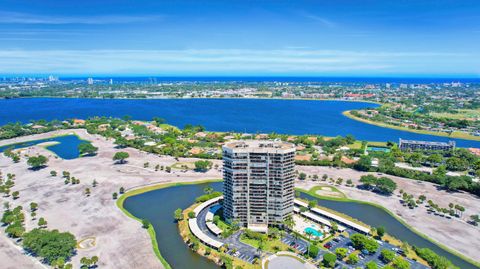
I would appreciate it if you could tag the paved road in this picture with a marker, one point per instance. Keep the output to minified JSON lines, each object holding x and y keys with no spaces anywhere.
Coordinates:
{"x":236,"y":248}
{"x":343,"y":242}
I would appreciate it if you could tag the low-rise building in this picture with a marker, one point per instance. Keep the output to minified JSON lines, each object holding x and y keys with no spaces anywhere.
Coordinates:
{"x":425,"y":145}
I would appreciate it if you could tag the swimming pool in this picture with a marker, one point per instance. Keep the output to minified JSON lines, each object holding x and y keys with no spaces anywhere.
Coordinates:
{"x":312,"y":231}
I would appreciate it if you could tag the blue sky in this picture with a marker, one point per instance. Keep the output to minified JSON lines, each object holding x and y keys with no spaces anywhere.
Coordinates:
{"x":297,"y":38}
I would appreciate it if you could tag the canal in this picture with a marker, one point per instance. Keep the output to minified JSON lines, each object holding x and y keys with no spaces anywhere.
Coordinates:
{"x":158,"y":206}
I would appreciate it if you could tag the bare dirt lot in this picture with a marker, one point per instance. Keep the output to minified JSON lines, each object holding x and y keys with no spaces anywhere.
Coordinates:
{"x":120,"y":242}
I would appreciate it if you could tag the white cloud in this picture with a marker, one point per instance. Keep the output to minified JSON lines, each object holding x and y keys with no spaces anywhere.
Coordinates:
{"x":221,"y":61}
{"x":26,"y":18}
{"x":322,"y":20}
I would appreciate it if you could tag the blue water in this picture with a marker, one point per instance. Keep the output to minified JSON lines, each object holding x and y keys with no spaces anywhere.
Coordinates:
{"x":67,"y":147}
{"x":310,"y":230}
{"x":241,"y":115}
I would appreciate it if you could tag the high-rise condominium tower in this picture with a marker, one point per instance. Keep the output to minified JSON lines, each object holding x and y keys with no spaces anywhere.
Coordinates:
{"x":258,"y":182}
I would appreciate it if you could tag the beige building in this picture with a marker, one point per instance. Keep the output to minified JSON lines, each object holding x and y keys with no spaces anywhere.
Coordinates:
{"x":258,"y":182}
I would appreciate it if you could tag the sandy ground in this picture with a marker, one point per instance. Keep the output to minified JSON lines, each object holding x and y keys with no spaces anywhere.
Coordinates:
{"x":120,"y":241}
{"x":454,"y":233}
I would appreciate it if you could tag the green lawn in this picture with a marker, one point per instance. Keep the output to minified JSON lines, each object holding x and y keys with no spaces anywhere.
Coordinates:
{"x":271,"y":245}
{"x":328,"y":191}
{"x":182,"y":165}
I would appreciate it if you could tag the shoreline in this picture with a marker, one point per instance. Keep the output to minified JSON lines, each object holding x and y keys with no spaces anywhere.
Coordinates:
{"x":454,"y":135}
{"x":399,"y":219}
{"x":134,"y":191}
{"x":186,"y":98}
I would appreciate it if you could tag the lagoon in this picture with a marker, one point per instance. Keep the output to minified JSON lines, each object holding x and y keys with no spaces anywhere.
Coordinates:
{"x":66,"y":147}
{"x":241,"y":115}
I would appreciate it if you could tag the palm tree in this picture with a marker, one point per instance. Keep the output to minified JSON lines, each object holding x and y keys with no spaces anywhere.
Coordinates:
{"x":289,"y":222}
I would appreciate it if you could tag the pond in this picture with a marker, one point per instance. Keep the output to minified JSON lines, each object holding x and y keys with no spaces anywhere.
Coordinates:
{"x":158,"y":206}
{"x":65,"y":148}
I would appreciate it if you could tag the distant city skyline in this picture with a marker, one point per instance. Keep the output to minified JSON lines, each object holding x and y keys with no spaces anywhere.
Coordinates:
{"x":241,"y":38}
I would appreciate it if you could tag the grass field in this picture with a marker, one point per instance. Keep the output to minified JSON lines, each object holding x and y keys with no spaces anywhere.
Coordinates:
{"x":183,"y":165}
{"x":460,"y":135}
{"x":462,"y":114}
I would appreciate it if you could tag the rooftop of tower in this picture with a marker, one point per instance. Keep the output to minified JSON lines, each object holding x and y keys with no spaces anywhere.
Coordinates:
{"x":260,"y":146}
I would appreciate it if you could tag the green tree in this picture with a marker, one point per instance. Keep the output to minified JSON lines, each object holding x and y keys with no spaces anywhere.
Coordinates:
{"x":352,"y":258}
{"x":87,"y":149}
{"x":191,"y":215}
{"x":203,"y":165}
{"x":329,"y":259}
{"x":94,"y":260}
{"x":33,"y":206}
{"x":53,"y":173}
{"x":15,"y":194}
{"x":37,"y":162}
{"x":334,"y":226}
{"x":50,"y":245}
{"x":121,"y":156}
{"x":456,"y":164}
{"x":114,"y":196}
{"x":387,"y":255}
{"x":208,"y":190}
{"x":435,"y":159}
{"x":380,"y":231}
{"x":313,"y":251}
{"x":302,"y":176}
{"x":178,"y":215}
{"x":386,"y":185}
{"x":42,"y":223}
{"x":312,"y":203}
{"x":341,"y":253}
{"x":145,"y":223}
{"x":368,"y":181}
{"x":401,"y":263}
{"x":364,"y":164}
{"x":158,"y":121}
{"x":371,"y":265}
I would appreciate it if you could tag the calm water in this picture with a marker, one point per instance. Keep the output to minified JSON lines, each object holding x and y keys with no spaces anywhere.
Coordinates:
{"x":375,"y":217}
{"x":241,"y":115}
{"x":158,"y":207}
{"x":67,"y":148}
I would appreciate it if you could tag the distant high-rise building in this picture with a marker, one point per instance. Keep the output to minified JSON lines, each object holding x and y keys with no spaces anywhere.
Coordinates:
{"x":52,"y":78}
{"x":111,"y":81}
{"x":258,"y":182}
{"x":90,"y":81}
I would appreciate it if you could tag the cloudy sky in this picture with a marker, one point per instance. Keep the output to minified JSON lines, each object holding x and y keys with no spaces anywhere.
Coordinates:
{"x":434,"y":38}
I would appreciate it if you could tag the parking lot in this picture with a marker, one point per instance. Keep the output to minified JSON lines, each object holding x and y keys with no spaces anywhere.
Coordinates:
{"x":298,"y":244}
{"x":249,"y":253}
{"x":344,"y":242}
